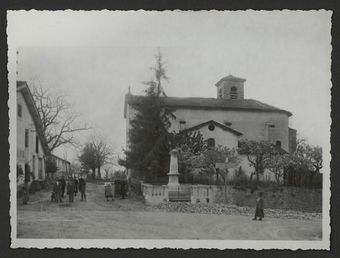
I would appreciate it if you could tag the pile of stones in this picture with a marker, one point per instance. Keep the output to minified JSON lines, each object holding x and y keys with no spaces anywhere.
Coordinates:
{"x":226,"y":209}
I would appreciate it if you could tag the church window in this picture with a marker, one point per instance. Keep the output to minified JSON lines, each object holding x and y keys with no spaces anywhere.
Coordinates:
{"x":220,"y":93}
{"x":211,"y":127}
{"x":182,"y":125}
{"x":233,"y":93}
{"x":278,"y":144}
{"x":211,"y":143}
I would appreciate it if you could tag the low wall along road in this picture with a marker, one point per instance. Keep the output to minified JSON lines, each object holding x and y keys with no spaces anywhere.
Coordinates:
{"x":287,"y":198}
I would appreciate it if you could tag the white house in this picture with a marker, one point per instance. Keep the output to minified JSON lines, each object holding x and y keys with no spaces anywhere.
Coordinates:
{"x":32,"y":148}
{"x":63,"y":166}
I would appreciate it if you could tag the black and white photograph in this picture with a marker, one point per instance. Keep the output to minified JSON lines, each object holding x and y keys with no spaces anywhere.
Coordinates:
{"x":170,"y":129}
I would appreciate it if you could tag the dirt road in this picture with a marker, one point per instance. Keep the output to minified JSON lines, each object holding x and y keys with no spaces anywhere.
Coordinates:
{"x":98,"y":218}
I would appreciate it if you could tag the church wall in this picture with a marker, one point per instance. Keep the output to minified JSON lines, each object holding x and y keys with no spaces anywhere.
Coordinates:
{"x":292,"y":140}
{"x":253,"y":124}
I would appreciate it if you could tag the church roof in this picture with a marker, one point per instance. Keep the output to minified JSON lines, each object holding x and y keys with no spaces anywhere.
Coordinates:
{"x":222,"y":126}
{"x":23,"y":88}
{"x":209,"y":103}
{"x":231,"y":78}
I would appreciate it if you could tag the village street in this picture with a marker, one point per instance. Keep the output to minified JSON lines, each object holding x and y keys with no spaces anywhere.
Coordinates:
{"x":128,"y":218}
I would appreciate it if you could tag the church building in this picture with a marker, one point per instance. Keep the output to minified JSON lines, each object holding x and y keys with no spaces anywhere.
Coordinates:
{"x":226,"y":119}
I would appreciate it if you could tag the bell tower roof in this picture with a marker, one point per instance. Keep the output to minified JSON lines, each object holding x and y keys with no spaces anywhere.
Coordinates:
{"x":230,"y":78}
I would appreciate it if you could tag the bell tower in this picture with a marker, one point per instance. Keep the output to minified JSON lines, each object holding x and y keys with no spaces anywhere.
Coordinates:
{"x":230,"y":87}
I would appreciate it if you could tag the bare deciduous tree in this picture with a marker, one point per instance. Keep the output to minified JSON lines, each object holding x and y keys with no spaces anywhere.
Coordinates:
{"x":58,"y":121}
{"x":277,"y":164}
{"x":95,"y":154}
{"x":259,"y":154}
{"x":103,"y":153}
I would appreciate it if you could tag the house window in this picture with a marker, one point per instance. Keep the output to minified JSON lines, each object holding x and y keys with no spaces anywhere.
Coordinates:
{"x":26,"y":138}
{"x":233,"y":93}
{"x":33,"y":164}
{"x":27,"y":173}
{"x":211,"y":143}
{"x":271,"y":132}
{"x":19,"y":110}
{"x":36,"y":144}
{"x":220,"y":93}
{"x":40,"y":168}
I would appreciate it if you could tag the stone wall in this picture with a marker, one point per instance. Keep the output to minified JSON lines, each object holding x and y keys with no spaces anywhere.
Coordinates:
{"x":155,"y":194}
{"x":286,"y":198}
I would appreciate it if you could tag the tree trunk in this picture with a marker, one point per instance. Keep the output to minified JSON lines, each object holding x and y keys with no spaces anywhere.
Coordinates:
{"x":225,"y":190}
{"x":257,"y":177}
{"x":93,"y":173}
{"x":99,"y":174}
{"x":217,"y":176}
{"x":251,"y":177}
{"x":278,"y":177}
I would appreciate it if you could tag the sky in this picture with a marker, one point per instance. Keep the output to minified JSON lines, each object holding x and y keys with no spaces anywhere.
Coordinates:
{"x":93,"y":57}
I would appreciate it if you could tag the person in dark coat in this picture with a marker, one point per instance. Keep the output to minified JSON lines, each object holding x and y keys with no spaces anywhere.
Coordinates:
{"x":25,"y":189}
{"x":82,"y":189}
{"x":259,"y":207}
{"x":63,"y":186}
{"x":123,"y":189}
{"x":75,"y":180}
{"x":57,"y":190}
{"x":70,"y":189}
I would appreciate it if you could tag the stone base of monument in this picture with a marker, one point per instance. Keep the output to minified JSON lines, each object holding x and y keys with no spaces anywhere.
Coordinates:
{"x":179,"y":194}
{"x":155,"y":194}
{"x":173,"y":180}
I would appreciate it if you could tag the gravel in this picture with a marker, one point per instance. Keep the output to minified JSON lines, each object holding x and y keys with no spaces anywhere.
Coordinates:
{"x":225,"y":209}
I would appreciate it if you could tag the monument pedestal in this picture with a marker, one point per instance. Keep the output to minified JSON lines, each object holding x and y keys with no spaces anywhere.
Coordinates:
{"x":173,"y":173}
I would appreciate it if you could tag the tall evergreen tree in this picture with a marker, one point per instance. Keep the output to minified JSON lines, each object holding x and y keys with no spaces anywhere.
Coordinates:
{"x":149,"y":139}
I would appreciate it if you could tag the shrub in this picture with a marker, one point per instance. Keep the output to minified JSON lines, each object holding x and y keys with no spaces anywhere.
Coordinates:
{"x":240,"y":178}
{"x":134,"y":187}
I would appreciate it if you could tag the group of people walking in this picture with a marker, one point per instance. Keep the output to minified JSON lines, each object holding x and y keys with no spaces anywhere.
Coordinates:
{"x":72,"y":185}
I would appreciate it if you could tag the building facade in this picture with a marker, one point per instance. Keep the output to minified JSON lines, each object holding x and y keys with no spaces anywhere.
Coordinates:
{"x":32,"y":148}
{"x":63,"y":166}
{"x":226,"y":119}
